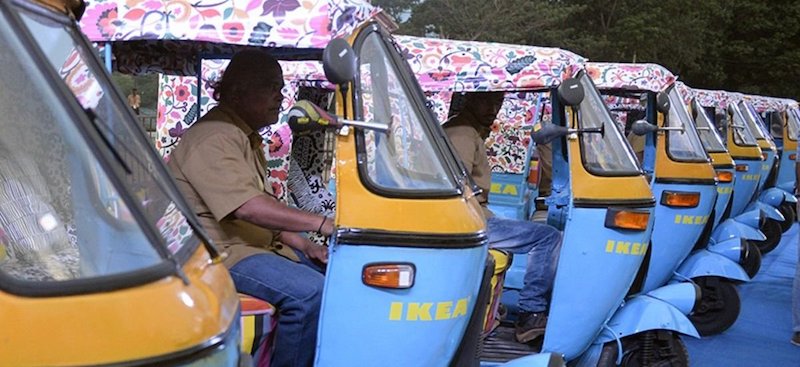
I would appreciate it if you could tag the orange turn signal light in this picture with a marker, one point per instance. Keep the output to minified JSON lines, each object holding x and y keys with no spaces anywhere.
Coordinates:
{"x":397,"y":276}
{"x":793,"y":157}
{"x":627,"y":219}
{"x":725,"y":176}
{"x":680,"y":199}
{"x":742,"y":168}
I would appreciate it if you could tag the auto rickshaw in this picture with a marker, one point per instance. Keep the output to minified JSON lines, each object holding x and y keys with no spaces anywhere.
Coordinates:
{"x":685,"y":180}
{"x":385,"y":279}
{"x":741,"y":143}
{"x":780,"y":125}
{"x":99,"y":255}
{"x":591,"y":162}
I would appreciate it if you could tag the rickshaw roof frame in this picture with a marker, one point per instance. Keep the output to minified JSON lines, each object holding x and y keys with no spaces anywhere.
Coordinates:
{"x":765,"y":103}
{"x":475,"y":66}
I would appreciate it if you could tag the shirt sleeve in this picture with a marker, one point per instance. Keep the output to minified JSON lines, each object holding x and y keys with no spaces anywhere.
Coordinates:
{"x":465,"y":147}
{"x":218,"y":170}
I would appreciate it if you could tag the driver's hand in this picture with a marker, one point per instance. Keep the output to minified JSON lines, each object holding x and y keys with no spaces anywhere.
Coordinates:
{"x":316,"y":253}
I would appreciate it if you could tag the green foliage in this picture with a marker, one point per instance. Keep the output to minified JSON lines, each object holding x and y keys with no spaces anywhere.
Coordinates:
{"x":146,"y":84}
{"x":750,"y":46}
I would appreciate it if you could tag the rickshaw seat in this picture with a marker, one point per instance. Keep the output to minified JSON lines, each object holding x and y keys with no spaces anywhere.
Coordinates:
{"x":502,"y":261}
{"x":258,"y":322}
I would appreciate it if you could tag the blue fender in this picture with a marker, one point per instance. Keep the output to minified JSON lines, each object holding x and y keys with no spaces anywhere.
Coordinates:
{"x":707,"y":263}
{"x":730,"y":248}
{"x":788,"y":187}
{"x":772,"y":196}
{"x":536,"y":360}
{"x":751,"y":218}
{"x":646,"y":312}
{"x":788,"y":196}
{"x":769,"y":210}
{"x":731,"y":228}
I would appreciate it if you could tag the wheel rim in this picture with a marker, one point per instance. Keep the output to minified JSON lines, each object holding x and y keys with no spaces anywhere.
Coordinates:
{"x":718,"y":307}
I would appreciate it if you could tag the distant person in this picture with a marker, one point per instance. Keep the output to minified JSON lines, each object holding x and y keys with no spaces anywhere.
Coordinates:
{"x":468,"y":131}
{"x":135,"y":100}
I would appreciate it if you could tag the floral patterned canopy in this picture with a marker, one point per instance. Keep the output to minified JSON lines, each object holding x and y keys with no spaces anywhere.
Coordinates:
{"x":764,"y":103}
{"x":716,"y":98}
{"x":169,"y":36}
{"x":468,"y":66}
{"x":650,"y":77}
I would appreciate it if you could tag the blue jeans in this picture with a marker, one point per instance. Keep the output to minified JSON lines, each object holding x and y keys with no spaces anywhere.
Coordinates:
{"x":542,"y":243}
{"x":296,"y":291}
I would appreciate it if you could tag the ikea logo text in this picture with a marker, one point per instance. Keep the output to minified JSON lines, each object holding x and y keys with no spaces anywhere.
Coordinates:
{"x":725,"y":190}
{"x":625,"y":248}
{"x":428,"y":311}
{"x":753,"y":177}
{"x":691,"y":219}
{"x":504,"y":189}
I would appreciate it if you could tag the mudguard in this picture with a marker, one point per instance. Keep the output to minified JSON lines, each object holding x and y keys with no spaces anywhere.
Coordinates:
{"x":656,"y":310}
{"x":706,"y":263}
{"x":772,"y":196}
{"x":730,"y":248}
{"x":769,"y":210}
{"x":751,"y":218}
{"x":788,"y":196}
{"x":732,"y":228}
{"x":787,"y":186}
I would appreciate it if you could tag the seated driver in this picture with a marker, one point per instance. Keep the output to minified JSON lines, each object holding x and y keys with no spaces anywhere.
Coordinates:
{"x":467,"y":131}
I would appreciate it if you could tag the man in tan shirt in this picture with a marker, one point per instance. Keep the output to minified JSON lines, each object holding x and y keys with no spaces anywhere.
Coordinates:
{"x":468,"y":131}
{"x":219,"y":166}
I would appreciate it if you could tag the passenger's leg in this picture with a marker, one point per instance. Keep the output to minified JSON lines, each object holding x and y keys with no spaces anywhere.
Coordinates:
{"x":296,"y":291}
{"x":542,"y":243}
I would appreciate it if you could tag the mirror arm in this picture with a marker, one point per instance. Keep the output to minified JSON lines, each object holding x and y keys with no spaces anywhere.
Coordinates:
{"x":672,"y":128}
{"x":366,"y":124}
{"x":587,"y":130}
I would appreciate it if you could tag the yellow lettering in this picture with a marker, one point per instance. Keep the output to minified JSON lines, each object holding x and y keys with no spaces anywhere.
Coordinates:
{"x":637,"y":247}
{"x":678,"y":219}
{"x":644,"y":248}
{"x":687,"y":219}
{"x":443,"y":310}
{"x":510,"y":190}
{"x":419,"y":311}
{"x":623,"y":247}
{"x":610,"y":246}
{"x":495,"y":188}
{"x":396,"y":311}
{"x":461,"y":308}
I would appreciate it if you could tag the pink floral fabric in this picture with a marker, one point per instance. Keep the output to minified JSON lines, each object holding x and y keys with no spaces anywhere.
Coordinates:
{"x":650,"y":77}
{"x":466,"y":66}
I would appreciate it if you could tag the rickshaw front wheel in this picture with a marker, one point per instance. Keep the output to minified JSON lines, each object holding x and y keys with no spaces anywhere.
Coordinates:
{"x":772,"y":230}
{"x":653,"y":348}
{"x":718,"y":307}
{"x":787,"y":210}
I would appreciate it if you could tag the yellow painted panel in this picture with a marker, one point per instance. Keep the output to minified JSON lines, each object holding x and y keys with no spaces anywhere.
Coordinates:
{"x":163,"y":317}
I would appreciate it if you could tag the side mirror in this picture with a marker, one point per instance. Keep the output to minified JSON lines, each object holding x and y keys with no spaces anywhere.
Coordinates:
{"x":662,"y":103}
{"x":570,"y":92}
{"x":339,"y":61}
{"x":642,"y":127}
{"x":304,"y":116}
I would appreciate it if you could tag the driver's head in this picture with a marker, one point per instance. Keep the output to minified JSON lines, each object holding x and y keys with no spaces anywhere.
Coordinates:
{"x":484,"y":105}
{"x":251,"y":85}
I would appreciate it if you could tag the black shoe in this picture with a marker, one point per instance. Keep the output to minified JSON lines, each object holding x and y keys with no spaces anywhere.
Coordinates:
{"x":530,"y":326}
{"x":796,"y":338}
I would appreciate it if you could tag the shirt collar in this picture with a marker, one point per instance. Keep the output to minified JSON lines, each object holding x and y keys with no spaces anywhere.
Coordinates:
{"x":465,"y":117}
{"x":227,"y":114}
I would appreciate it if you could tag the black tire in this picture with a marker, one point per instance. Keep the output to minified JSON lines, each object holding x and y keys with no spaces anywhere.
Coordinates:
{"x":751,"y":258}
{"x":772,"y":229}
{"x":654,"y":348}
{"x":718,"y":307}
{"x":787,"y":209}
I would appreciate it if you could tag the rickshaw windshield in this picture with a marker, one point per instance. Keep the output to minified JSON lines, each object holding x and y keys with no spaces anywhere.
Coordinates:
{"x":405,"y":160}
{"x":606,"y":154}
{"x":683,"y":145}
{"x":64,"y":214}
{"x":793,"y":123}
{"x":742,"y":135}
{"x":753,"y":121}
{"x":708,"y":134}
